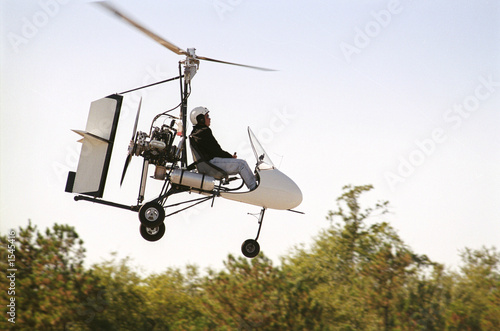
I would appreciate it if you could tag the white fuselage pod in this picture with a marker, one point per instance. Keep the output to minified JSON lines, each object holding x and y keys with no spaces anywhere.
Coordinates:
{"x":275,"y":191}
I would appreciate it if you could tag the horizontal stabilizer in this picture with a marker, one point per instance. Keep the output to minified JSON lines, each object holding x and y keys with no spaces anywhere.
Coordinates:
{"x":89,"y":135}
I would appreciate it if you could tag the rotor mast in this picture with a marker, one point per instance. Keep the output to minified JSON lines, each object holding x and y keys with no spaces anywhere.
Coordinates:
{"x":191,"y":66}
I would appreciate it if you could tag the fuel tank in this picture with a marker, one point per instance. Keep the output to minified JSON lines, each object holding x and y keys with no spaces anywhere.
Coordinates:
{"x":192,"y":179}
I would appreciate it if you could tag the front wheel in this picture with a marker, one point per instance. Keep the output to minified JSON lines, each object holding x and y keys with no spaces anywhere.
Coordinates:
{"x":152,"y":233}
{"x":250,"y":248}
{"x":151,"y":214}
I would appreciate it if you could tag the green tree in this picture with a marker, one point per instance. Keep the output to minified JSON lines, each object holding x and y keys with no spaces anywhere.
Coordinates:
{"x":422,"y":304}
{"x":475,"y":303}
{"x":358,"y":274}
{"x":124,"y":297}
{"x":299,"y":307}
{"x":174,"y":300}
{"x":356,"y":270}
{"x":245,"y":295}
{"x":52,"y":287}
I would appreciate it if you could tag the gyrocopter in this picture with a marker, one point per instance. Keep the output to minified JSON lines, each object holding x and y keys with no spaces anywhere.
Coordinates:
{"x":165,"y":147}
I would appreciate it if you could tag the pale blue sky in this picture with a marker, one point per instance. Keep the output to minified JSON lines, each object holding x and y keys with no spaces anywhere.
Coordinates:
{"x":403,"y":95}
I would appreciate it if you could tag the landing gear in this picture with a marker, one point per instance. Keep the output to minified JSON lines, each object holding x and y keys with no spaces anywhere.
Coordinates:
{"x":250,"y":247}
{"x":152,"y":233}
{"x":151,"y":214}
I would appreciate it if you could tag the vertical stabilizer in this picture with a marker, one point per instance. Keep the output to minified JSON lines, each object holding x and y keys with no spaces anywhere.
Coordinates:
{"x":97,"y":145}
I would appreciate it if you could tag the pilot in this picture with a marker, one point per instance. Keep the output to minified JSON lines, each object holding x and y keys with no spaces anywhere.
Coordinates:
{"x":208,"y":145}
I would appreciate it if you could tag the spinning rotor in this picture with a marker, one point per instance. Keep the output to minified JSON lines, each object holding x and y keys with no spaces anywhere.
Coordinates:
{"x":192,"y":61}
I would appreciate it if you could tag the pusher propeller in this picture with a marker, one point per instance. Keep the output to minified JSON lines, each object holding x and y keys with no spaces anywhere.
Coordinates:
{"x":133,"y":143}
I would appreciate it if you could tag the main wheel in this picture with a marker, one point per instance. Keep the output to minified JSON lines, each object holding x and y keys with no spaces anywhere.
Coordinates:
{"x":250,"y":248}
{"x":151,"y":214}
{"x":152,"y":233}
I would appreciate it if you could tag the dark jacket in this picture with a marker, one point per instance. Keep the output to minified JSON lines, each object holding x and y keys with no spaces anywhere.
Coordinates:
{"x":206,"y":143}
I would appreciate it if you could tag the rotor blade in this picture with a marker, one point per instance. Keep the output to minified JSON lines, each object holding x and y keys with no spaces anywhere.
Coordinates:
{"x":152,"y":35}
{"x":136,"y":120}
{"x":231,"y":63}
{"x":127,"y":161}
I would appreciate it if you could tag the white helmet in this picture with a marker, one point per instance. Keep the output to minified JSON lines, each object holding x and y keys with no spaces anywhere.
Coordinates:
{"x":197,"y":111}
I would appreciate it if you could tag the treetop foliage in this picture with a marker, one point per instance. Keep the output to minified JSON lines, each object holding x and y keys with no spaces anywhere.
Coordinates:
{"x":358,"y":274}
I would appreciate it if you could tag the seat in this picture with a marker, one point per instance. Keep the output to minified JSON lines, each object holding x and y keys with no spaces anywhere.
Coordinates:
{"x":204,"y":166}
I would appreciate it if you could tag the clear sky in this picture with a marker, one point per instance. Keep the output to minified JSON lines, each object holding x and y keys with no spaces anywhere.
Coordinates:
{"x":404,"y":95}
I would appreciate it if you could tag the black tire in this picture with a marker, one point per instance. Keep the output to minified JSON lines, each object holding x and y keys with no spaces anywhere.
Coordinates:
{"x":151,"y":214}
{"x":152,"y":233}
{"x":250,"y":248}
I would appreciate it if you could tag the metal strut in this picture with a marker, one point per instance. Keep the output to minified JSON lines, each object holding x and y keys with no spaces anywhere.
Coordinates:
{"x":149,"y":85}
{"x":196,"y":202}
{"x":261,"y":218}
{"x":107,"y":203}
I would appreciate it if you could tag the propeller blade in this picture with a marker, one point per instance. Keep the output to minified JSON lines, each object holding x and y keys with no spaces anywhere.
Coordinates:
{"x":136,"y":119}
{"x":127,"y":161}
{"x":232,"y":63}
{"x":132,"y":147}
{"x":152,"y":35}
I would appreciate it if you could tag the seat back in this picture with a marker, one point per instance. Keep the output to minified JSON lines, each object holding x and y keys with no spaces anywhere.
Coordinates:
{"x":204,"y":166}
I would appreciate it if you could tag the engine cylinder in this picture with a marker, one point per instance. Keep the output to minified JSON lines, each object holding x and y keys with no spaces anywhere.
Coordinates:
{"x":192,"y":179}
{"x":157,"y":144}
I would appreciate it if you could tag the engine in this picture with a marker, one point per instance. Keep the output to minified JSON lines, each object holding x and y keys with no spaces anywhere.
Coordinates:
{"x":157,"y":149}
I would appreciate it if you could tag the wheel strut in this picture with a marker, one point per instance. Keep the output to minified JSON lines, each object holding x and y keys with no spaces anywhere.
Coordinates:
{"x":261,"y":218}
{"x":250,"y":247}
